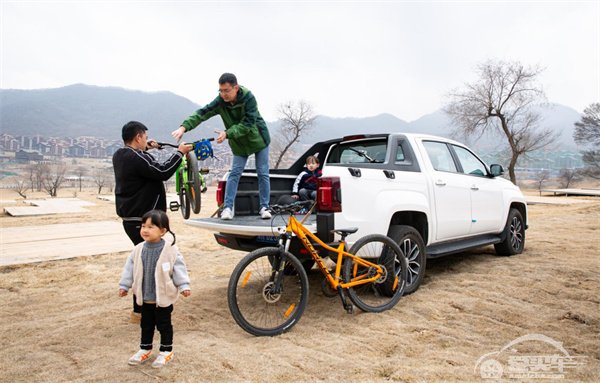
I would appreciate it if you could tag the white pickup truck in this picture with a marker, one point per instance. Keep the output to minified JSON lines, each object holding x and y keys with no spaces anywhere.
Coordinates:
{"x":432,"y":195}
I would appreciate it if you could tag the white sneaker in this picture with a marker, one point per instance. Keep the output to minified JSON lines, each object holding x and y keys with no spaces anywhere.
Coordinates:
{"x":163,"y":358}
{"x":264,"y":213}
{"x":140,"y":357}
{"x":227,"y":213}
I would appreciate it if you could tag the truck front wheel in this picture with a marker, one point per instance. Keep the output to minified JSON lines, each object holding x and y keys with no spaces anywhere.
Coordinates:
{"x":413,"y":248}
{"x":514,"y":235}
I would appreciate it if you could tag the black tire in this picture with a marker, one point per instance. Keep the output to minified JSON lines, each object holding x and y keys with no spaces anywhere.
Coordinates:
{"x":253,"y":308}
{"x":514,"y":235}
{"x":194,"y":184}
{"x":412,"y":246}
{"x":184,"y":201}
{"x":384,"y":293}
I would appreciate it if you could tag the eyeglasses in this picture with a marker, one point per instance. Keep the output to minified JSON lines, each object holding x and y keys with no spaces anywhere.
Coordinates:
{"x":226,"y":91}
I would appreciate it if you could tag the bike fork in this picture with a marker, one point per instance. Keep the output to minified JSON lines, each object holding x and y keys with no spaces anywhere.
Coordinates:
{"x":349,"y":307}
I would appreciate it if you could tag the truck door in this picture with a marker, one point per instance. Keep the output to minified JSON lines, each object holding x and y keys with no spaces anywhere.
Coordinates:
{"x":452,"y":195}
{"x":486,"y":193}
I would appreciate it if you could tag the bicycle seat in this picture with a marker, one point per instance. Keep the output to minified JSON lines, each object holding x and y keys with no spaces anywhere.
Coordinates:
{"x":345,"y":232}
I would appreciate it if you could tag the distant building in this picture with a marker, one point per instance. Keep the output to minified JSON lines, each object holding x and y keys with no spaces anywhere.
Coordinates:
{"x":76,"y":151}
{"x":98,"y":152}
{"x":26,"y":156}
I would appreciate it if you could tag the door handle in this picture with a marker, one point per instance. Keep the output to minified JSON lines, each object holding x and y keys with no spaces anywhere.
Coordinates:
{"x":354,"y":172}
{"x":389,"y":174}
{"x":440,"y":183}
{"x":474,"y":187}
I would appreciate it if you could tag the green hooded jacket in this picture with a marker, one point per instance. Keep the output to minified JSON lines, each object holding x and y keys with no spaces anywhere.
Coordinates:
{"x":246,"y":130}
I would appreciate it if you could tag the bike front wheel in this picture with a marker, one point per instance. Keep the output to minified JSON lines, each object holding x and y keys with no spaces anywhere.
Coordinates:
{"x":386,"y":291}
{"x":194,"y":184}
{"x":265,"y":297}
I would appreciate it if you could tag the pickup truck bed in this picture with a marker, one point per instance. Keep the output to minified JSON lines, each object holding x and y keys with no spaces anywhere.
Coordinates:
{"x":249,"y":225}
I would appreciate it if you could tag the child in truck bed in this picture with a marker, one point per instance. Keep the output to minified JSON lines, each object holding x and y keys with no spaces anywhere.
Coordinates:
{"x":305,"y":186}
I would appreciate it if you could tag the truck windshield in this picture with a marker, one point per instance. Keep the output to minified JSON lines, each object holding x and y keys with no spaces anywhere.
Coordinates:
{"x":371,"y":151}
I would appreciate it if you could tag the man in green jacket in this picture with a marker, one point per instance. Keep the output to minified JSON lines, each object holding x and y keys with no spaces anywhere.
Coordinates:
{"x":247,"y":134}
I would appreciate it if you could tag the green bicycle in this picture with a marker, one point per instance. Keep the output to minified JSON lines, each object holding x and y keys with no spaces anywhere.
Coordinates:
{"x":189,"y":180}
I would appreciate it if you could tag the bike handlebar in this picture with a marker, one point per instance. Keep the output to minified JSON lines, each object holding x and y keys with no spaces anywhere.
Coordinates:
{"x":161,"y":144}
{"x":292,"y":207}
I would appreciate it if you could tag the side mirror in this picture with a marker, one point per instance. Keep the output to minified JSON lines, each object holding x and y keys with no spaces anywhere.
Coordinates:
{"x":496,"y":170}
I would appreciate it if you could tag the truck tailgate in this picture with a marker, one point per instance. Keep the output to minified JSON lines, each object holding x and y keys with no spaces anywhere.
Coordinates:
{"x":250,"y":225}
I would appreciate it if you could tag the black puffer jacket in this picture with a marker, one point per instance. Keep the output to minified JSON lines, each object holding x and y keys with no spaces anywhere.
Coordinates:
{"x":139,"y":181}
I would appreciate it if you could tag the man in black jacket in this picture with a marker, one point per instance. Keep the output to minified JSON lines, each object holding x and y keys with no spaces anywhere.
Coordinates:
{"x":139,"y":178}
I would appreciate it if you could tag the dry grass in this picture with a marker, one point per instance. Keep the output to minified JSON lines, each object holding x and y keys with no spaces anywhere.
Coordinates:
{"x":63,"y":320}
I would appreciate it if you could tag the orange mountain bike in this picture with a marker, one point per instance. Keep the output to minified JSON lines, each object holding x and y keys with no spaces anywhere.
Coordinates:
{"x":268,"y":289}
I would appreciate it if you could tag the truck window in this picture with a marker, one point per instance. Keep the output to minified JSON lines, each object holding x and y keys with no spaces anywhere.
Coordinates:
{"x":359,"y":152}
{"x":470,"y":164}
{"x":400,"y":157}
{"x":440,"y":156}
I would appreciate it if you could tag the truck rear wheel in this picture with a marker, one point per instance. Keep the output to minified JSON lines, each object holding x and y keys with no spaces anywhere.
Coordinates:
{"x":412,"y":246}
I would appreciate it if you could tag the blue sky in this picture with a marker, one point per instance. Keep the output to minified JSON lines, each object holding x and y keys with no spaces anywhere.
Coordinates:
{"x":348,"y":59}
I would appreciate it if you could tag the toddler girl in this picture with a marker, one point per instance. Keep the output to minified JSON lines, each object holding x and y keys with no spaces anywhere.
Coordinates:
{"x":155,"y":271}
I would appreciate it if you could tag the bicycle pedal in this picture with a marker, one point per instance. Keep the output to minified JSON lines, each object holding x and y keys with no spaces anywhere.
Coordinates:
{"x":174,"y":206}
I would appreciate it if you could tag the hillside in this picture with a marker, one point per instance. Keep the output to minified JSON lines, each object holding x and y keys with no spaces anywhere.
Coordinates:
{"x":80,"y":109}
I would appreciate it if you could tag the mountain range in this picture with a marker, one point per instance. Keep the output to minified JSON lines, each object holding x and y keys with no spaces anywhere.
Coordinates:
{"x":86,"y":110}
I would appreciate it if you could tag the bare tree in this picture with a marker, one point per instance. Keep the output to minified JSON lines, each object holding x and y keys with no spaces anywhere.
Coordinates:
{"x":36,"y":175}
{"x":542,"y":177}
{"x":568,"y":177}
{"x":54,"y":178}
{"x":80,"y":172}
{"x":587,"y":134}
{"x":102,"y":178}
{"x":502,"y":101}
{"x":296,"y":119}
{"x":21,"y":187}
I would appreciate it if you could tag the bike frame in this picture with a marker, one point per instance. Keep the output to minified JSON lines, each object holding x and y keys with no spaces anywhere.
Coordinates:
{"x":185,"y":181}
{"x":296,"y":227}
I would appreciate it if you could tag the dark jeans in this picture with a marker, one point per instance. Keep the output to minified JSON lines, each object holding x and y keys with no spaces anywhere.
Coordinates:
{"x":132,"y":229}
{"x":159,"y":318}
{"x":306,"y":194}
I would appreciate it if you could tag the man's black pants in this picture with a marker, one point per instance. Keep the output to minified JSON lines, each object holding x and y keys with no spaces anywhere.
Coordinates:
{"x":159,"y":318}
{"x":132,"y":229}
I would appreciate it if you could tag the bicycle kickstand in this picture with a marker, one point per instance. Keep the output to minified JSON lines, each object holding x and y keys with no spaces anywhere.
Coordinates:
{"x":349,"y":307}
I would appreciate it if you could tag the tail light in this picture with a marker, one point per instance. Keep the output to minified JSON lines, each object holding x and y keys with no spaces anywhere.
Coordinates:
{"x":221,"y":192}
{"x":329,"y":195}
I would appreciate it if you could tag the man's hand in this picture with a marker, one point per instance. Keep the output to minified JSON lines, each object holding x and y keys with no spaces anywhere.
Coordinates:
{"x":185,"y":148}
{"x":122,"y":292}
{"x":295,"y":196}
{"x":186,"y":293}
{"x":152,"y":144}
{"x":177,"y":134}
{"x":222,"y":135}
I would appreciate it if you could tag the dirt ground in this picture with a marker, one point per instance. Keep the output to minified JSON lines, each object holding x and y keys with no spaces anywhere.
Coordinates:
{"x":62,"y":321}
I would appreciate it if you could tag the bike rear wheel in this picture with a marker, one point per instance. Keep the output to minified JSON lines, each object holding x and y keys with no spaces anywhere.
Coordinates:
{"x":184,"y":200}
{"x":194,"y":184}
{"x":385,"y":292}
{"x":252,"y":294}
